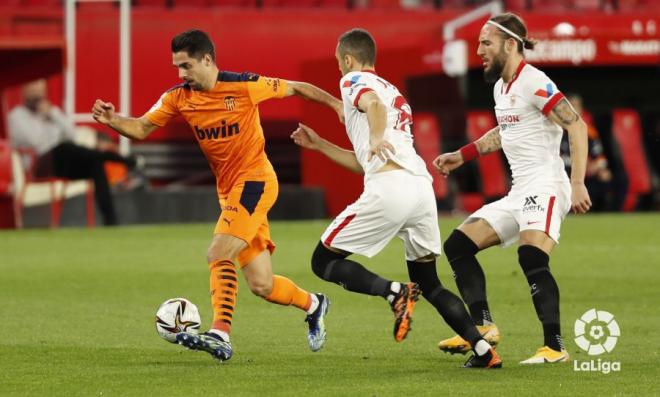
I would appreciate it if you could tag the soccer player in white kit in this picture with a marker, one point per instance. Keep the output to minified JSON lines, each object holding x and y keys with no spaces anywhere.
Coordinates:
{"x":531,"y":114}
{"x":398,"y":200}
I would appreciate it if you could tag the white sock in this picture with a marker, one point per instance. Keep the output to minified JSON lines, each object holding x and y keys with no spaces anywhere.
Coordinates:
{"x":222,"y":334}
{"x":314,"y":305}
{"x":482,"y":347}
{"x":395,"y":287}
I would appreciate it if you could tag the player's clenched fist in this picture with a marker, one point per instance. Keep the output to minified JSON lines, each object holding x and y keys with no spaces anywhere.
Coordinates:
{"x":306,"y":137}
{"x":103,"y":112}
{"x":447,"y":162}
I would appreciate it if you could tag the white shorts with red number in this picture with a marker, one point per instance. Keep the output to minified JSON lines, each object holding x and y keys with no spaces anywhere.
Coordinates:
{"x":528,"y":209}
{"x":394,"y":203}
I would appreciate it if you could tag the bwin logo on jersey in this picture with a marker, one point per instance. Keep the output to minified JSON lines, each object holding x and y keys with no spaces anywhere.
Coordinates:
{"x":597,"y":332}
{"x":221,"y":131}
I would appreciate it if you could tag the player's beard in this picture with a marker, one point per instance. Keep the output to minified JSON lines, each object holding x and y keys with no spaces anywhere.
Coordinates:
{"x":496,"y":67}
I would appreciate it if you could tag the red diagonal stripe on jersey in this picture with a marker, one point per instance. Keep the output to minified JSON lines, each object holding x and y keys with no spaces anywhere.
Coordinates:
{"x":548,"y":218}
{"x":346,"y":221}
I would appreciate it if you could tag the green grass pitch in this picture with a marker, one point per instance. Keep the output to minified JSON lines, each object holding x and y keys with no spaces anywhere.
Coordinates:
{"x":77,"y":310}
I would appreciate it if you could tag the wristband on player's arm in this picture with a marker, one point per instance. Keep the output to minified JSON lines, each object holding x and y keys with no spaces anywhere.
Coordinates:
{"x":469,"y":152}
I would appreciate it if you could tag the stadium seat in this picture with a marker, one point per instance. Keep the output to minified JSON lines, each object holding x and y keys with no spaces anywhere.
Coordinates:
{"x":635,"y":5}
{"x":385,"y":4}
{"x":517,"y":5}
{"x":588,"y":5}
{"x":190,"y":3}
{"x":5,"y":168}
{"x":29,"y":191}
{"x":428,"y":144}
{"x":626,"y":129}
{"x":232,"y":3}
{"x":334,"y":3}
{"x":152,"y":3}
{"x":494,"y":181}
{"x":289,"y":3}
{"x":6,"y":194}
{"x":11,"y":3}
{"x":551,"y":6}
{"x":41,"y":3}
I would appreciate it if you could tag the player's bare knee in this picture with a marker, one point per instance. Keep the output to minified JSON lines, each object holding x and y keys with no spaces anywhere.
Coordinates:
{"x":261,"y":286}
{"x":216,"y":253}
{"x":224,"y":248}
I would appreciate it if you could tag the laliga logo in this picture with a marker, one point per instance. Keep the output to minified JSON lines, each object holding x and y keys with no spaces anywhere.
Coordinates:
{"x":596,"y":342}
{"x":596,"y":332}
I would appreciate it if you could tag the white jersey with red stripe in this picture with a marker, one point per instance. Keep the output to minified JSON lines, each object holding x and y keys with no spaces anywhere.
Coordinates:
{"x":541,"y":194}
{"x":530,"y":140}
{"x":397,"y":131}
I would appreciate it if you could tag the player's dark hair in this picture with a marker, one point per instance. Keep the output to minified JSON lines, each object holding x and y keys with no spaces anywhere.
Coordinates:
{"x":515,"y":24}
{"x":195,"y":42}
{"x":360,"y":44}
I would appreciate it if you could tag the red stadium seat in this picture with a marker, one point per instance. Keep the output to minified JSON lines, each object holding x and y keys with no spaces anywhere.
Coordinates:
{"x":626,"y":129}
{"x":30,"y":191}
{"x":11,"y":3}
{"x":6,"y":192}
{"x":428,"y":144}
{"x":551,"y":5}
{"x":5,"y":168}
{"x":289,"y":3}
{"x":232,"y":3}
{"x":589,"y":5}
{"x":516,"y":5}
{"x":385,"y":4}
{"x":334,"y":3}
{"x":190,"y":3}
{"x":151,"y":3}
{"x":41,"y":3}
{"x":636,"y":5}
{"x":494,"y":182}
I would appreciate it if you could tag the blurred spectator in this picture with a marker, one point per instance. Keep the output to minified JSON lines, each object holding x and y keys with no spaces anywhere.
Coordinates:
{"x":41,"y":127}
{"x":598,"y":178}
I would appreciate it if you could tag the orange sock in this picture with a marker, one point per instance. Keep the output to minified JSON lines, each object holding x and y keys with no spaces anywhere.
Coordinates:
{"x":286,"y":292}
{"x":224,"y":288}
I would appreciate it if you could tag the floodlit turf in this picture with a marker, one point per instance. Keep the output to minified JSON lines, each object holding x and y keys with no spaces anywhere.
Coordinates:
{"x":77,"y":310}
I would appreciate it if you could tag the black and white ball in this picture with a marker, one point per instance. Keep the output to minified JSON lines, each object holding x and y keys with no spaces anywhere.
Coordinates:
{"x":177,"y":315}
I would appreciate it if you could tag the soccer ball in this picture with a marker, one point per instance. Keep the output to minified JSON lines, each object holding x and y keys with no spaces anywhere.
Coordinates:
{"x":177,"y":315}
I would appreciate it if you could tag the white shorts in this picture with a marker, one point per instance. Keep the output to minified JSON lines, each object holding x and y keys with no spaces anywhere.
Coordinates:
{"x":530,"y":209}
{"x":394,"y":203}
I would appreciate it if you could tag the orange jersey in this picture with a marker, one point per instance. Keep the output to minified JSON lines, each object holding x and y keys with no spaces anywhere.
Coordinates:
{"x":225,"y":121}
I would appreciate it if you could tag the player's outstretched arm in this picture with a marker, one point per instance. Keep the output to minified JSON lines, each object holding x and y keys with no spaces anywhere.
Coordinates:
{"x":567,"y":118}
{"x":489,"y":142}
{"x":134,"y":128}
{"x":308,"y":138}
{"x":314,"y":93}
{"x":376,"y":111}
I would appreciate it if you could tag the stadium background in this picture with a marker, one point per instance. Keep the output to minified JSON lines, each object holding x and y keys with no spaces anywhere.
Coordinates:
{"x":78,"y":302}
{"x":606,"y":51}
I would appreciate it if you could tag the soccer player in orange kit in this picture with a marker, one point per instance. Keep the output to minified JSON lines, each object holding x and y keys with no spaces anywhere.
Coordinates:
{"x":222,"y":110}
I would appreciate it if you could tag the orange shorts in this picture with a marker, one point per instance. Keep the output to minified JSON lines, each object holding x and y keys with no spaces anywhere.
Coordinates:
{"x":245,"y":215}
